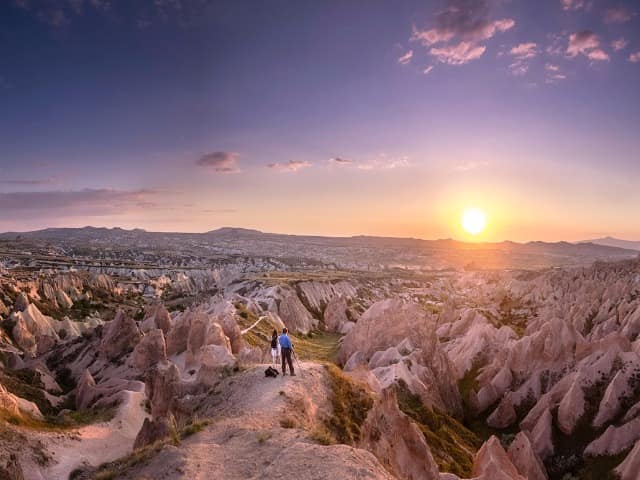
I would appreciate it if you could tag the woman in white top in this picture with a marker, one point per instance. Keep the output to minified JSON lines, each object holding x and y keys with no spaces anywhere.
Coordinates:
{"x":275,"y":347}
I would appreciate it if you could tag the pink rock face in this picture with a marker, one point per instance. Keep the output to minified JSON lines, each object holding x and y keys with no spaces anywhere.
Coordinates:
{"x":542,"y":435}
{"x":157,"y":317}
{"x":151,"y":350}
{"x":120,"y":337}
{"x":396,"y":441}
{"x":630,"y":467}
{"x":294,"y":315}
{"x":151,"y":432}
{"x":85,"y":391}
{"x":178,"y":336}
{"x":8,"y":402}
{"x":163,"y":384}
{"x":335,"y":314}
{"x":493,"y":463}
{"x":525,"y":459}
{"x":504,"y":415}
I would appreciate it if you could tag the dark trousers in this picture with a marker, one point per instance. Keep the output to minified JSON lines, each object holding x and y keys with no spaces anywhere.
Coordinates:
{"x":286,"y":357}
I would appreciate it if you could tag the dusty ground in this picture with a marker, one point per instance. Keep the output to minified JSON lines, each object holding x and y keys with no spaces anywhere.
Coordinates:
{"x":90,"y":445}
{"x":262,"y":429}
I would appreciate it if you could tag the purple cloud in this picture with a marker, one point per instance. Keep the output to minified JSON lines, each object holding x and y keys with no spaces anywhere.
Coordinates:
{"x":459,"y":29}
{"x":221,"y":162}
{"x":406,"y":58}
{"x":619,"y":14}
{"x":90,"y":202}
{"x":290,"y":166}
{"x":586,"y":43}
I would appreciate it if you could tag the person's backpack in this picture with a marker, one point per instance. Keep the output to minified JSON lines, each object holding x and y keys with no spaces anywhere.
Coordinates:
{"x":274,"y":342}
{"x":271,"y":372}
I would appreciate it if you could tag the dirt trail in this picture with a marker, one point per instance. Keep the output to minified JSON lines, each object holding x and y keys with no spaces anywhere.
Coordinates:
{"x":91,"y":445}
{"x":248,"y":439}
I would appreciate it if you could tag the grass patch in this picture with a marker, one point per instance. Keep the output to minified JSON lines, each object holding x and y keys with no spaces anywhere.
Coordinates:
{"x":287,"y":422}
{"x":350,"y":402}
{"x":452,"y":444}
{"x":323,"y":436}
{"x":194,"y":427}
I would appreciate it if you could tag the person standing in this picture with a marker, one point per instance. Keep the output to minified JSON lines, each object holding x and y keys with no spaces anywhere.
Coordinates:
{"x":286,"y":349}
{"x":275,"y":347}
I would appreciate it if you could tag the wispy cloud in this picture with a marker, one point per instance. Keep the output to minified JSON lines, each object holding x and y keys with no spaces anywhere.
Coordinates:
{"x":553,"y":73}
{"x":635,"y":57}
{"x":290,"y":166}
{"x":221,"y":162}
{"x":618,"y":14}
{"x":428,"y":70}
{"x":384,"y":162}
{"x":619,"y":44}
{"x":33,"y":182}
{"x":459,"y":54}
{"x":406,"y":58}
{"x":340,"y":161}
{"x":459,"y":30}
{"x":525,"y":50}
{"x":586,"y":43}
{"x":469,"y":166}
{"x":87,"y":202}
{"x":573,"y":4}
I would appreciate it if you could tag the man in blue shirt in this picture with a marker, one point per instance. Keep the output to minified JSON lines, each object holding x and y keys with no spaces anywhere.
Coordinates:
{"x":286,"y":349}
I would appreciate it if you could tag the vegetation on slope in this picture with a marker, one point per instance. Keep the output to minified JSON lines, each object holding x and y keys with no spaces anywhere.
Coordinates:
{"x":350,"y":404}
{"x":452,"y":444}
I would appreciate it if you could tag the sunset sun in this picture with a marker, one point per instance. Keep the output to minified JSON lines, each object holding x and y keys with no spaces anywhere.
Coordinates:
{"x":474,"y":221}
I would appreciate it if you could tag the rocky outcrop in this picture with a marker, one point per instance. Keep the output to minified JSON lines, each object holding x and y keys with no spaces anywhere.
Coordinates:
{"x":525,"y":459}
{"x":615,"y":440}
{"x":504,"y":415}
{"x":629,"y":468}
{"x":178,"y":336}
{"x":151,"y":350}
{"x":213,"y":360}
{"x":121,"y":336}
{"x":163,"y":385}
{"x":397,"y":340}
{"x":157,"y":316}
{"x":492,"y":463}
{"x":152,"y":431}
{"x":21,"y":302}
{"x":542,"y":436}
{"x":396,"y":441}
{"x":335,"y":315}
{"x":86,"y":391}
{"x":294,"y":315}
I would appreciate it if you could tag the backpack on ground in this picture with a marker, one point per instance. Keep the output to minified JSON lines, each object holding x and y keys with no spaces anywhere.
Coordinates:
{"x":271,"y":372}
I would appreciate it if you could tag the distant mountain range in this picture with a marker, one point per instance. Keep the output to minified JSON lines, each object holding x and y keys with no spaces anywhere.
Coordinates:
{"x":615,"y":242}
{"x":354,"y":252}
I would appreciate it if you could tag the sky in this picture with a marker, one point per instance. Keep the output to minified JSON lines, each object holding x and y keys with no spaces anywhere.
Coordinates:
{"x":333,"y":118}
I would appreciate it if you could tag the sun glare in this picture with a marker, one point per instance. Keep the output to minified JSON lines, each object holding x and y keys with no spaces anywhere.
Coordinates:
{"x":474,"y":221}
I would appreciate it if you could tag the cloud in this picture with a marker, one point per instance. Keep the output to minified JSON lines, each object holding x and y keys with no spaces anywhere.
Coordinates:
{"x":290,"y":166}
{"x":340,"y":161}
{"x":459,"y":54}
{"x":459,"y":29}
{"x":525,"y":50}
{"x":635,"y":57}
{"x":619,"y":14}
{"x":406,"y":58}
{"x":32,"y":182}
{"x":469,"y":166}
{"x":518,"y":68}
{"x":598,"y":54}
{"x":619,"y":44}
{"x":573,"y":4}
{"x":428,"y":70}
{"x":55,"y":17}
{"x":553,"y":73}
{"x":221,"y":162}
{"x":384,"y":162}
{"x":586,"y":43}
{"x":87,"y":202}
